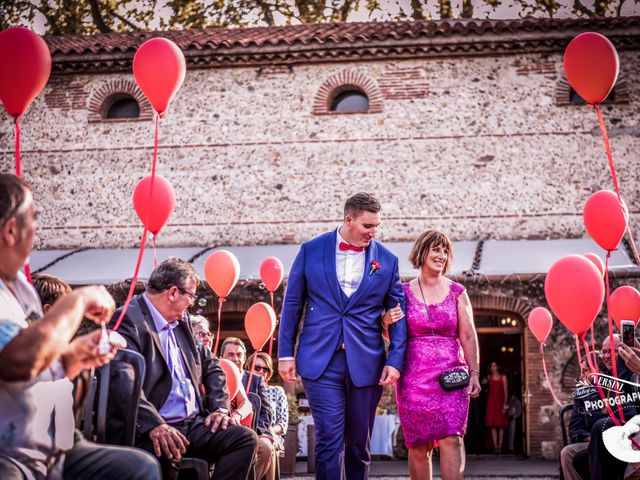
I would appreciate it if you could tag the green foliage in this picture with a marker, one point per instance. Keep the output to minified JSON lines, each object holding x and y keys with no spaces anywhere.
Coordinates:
{"x":294,"y":412}
{"x":84,"y":17}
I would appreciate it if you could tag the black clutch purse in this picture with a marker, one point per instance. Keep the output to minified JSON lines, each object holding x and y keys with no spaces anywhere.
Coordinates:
{"x":454,"y":379}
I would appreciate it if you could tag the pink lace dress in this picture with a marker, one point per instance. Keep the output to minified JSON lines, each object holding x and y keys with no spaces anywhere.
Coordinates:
{"x":426,"y":411}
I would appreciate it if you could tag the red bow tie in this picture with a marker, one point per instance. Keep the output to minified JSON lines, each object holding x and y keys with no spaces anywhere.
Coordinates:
{"x":345,"y":246}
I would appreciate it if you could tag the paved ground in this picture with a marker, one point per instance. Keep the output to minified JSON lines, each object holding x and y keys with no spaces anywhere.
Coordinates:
{"x":477,"y":468}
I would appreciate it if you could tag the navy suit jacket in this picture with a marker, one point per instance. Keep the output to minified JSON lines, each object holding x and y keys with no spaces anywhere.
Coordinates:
{"x":313,"y":291}
{"x":138,"y":329}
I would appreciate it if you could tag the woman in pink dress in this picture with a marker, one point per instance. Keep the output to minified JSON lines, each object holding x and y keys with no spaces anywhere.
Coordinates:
{"x":442,"y":336}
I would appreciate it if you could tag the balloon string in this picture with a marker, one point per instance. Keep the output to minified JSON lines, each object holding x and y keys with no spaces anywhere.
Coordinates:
{"x":155,"y":147}
{"x":155,"y":258}
{"x":634,"y":250}
{"x":27,"y":269}
{"x":593,"y":345}
{"x":253,"y":366}
{"x":274,"y":330}
{"x":578,"y":349}
{"x":546,"y":376}
{"x":17,"y":136}
{"x":221,"y":300}
{"x":134,"y":280}
{"x":610,"y":325}
{"x":605,"y":137}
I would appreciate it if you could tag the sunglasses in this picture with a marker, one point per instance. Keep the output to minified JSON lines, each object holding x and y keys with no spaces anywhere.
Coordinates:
{"x":259,"y":369}
{"x":204,"y":334}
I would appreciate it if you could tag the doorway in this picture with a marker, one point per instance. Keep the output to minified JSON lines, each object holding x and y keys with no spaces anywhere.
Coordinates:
{"x":500,"y":339}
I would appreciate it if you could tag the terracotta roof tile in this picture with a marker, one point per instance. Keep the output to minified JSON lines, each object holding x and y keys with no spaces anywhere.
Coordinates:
{"x":320,"y":34}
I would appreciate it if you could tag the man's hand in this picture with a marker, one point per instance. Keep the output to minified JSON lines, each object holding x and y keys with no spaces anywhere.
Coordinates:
{"x":169,"y":441}
{"x":392,"y":316}
{"x":219,"y":420}
{"x":82,"y":353}
{"x":631,"y":357}
{"x":98,"y":304}
{"x":287,"y":370}
{"x":390,"y":375}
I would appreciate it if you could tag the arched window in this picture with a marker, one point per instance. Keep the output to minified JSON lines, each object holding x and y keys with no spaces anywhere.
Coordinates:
{"x":119,"y":101}
{"x":121,"y":106}
{"x":350,"y":101}
{"x":348,"y":92}
{"x":576,"y":99}
{"x":124,"y":108}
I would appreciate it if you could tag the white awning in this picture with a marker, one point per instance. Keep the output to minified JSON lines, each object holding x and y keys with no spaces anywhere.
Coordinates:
{"x":497,"y":258}
{"x":504,"y":257}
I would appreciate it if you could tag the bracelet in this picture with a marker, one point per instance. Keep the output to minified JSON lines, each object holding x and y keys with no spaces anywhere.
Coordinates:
{"x":473,"y":370}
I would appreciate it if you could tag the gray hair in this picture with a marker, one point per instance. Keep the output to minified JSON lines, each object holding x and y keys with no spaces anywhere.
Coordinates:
{"x":198,"y":320}
{"x":173,"y":272}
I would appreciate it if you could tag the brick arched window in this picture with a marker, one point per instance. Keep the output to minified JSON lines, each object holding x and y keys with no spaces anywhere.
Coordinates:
{"x":348,"y":92}
{"x":565,"y":95}
{"x":117,"y":101}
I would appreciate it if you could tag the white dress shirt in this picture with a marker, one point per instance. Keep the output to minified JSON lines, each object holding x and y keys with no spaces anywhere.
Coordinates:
{"x":349,"y":267}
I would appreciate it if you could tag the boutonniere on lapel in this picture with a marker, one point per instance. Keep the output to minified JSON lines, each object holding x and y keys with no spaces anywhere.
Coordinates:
{"x":374,"y":267}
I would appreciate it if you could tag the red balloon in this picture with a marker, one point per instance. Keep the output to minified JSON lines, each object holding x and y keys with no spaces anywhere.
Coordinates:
{"x":25,"y":63}
{"x":259,"y":323}
{"x":605,"y":219}
{"x":222,"y":270}
{"x":625,"y":304}
{"x":234,"y":380}
{"x":591,"y":66}
{"x":159,"y":69}
{"x":154,"y":209}
{"x":574,"y":290}
{"x":540,"y":322}
{"x":597,"y":261}
{"x":271,"y":273}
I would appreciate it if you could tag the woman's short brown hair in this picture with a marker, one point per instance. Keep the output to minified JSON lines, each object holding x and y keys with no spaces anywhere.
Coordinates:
{"x":265,"y":358}
{"x":430,"y":238}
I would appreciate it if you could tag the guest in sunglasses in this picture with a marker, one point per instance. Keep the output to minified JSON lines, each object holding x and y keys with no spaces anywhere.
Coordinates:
{"x":277,"y":397}
{"x":201,"y":332}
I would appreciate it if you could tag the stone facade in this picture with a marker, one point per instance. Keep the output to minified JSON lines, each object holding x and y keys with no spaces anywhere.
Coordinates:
{"x":480,"y":146}
{"x":474,"y":146}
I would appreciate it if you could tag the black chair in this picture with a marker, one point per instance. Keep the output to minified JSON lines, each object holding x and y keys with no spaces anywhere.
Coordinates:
{"x":565,"y":413}
{"x":97,"y":400}
{"x":95,"y":406}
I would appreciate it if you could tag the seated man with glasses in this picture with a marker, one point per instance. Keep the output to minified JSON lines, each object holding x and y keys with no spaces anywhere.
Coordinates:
{"x":184,"y":406}
{"x":234,"y":350}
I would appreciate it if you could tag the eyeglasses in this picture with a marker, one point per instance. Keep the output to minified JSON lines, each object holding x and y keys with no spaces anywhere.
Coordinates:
{"x":191,"y":295}
{"x":204,"y":334}
{"x":259,"y":369}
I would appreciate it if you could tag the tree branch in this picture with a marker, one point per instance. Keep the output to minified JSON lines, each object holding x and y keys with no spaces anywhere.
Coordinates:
{"x":97,"y":17}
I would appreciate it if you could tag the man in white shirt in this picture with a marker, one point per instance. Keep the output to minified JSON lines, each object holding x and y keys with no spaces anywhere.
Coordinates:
{"x":38,"y":357}
{"x":341,"y":282}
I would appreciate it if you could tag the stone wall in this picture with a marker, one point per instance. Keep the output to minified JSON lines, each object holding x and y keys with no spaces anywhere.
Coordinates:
{"x":475,"y":145}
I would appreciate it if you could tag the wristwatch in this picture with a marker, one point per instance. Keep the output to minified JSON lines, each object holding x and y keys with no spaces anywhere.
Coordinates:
{"x":223,"y":410}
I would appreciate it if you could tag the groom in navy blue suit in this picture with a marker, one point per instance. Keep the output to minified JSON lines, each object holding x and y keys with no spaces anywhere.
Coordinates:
{"x":340,"y":283}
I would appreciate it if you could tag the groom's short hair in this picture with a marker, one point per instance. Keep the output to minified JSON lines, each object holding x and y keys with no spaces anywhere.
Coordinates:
{"x":361,"y":202}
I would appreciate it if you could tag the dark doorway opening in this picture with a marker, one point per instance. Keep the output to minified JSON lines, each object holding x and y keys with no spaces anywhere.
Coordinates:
{"x":500,"y":340}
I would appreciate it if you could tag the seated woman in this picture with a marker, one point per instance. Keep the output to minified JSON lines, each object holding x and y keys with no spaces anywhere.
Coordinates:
{"x":277,"y":397}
